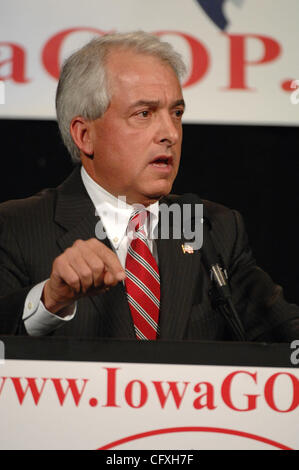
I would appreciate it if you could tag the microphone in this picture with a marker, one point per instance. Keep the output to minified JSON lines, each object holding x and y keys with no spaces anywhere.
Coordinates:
{"x":212,"y":260}
{"x":219,"y":275}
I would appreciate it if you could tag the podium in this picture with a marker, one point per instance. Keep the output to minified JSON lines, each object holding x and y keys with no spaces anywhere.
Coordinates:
{"x":62,"y":393}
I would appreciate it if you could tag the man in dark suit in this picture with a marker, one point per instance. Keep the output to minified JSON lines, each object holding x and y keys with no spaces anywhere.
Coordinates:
{"x":119,"y":107}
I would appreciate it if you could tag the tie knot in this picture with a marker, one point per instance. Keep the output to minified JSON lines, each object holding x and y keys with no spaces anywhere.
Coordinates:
{"x":137,"y":220}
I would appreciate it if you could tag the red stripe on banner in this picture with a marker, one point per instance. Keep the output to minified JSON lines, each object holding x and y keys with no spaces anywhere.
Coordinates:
{"x":232,"y":432}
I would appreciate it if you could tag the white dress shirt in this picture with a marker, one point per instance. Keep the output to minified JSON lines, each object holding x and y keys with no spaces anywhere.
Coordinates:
{"x":115,"y":214}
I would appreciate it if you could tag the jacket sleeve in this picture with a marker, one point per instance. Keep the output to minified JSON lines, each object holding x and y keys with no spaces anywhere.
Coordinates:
{"x":264,"y":312}
{"x":14,"y":282}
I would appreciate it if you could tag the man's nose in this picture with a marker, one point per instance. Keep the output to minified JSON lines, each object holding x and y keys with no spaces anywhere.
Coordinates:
{"x":169,"y":130}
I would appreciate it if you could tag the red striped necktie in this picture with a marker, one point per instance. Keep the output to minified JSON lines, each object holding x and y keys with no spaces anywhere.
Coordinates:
{"x":142,"y":281}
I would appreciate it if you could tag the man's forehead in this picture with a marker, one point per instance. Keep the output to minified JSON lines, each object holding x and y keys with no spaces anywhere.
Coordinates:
{"x":133,"y":76}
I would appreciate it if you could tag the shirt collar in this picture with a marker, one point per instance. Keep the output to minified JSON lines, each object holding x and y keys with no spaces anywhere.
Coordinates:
{"x":115,"y":212}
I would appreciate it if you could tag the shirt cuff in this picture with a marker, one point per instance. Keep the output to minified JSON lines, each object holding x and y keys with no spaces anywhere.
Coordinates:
{"x":37,"y":319}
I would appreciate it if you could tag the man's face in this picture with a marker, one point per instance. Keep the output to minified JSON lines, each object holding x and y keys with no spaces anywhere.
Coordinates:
{"x":137,"y":142}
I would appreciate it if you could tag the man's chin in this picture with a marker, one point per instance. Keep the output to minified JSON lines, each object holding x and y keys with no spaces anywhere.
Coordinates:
{"x":151,"y":198}
{"x":149,"y":194}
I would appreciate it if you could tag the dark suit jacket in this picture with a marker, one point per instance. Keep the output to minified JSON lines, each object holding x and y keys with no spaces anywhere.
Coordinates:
{"x":34,"y":231}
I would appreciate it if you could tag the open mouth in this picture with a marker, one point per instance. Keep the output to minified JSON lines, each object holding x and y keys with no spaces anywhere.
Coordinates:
{"x":162,"y":161}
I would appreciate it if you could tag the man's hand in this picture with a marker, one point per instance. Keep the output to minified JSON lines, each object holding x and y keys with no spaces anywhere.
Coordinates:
{"x":87,"y":268}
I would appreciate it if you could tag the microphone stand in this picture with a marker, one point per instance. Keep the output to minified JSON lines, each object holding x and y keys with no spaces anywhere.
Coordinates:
{"x":224,"y":301}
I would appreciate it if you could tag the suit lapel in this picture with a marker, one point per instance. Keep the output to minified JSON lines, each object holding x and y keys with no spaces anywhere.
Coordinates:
{"x":179,"y":274}
{"x":76,"y":214}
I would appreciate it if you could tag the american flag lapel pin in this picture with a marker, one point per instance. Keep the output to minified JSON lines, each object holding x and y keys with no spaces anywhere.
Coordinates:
{"x":187,"y":249}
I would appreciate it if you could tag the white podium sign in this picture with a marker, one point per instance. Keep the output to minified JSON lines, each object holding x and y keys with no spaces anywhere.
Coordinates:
{"x":100,"y":405}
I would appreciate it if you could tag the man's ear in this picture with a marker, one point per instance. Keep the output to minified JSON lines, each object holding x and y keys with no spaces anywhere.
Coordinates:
{"x":80,"y":131}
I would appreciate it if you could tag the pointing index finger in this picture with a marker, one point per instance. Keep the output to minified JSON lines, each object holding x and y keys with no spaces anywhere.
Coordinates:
{"x":109,"y":258}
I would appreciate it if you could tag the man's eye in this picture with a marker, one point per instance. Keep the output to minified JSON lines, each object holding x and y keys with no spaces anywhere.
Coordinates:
{"x":143,"y":114}
{"x":179,"y":113}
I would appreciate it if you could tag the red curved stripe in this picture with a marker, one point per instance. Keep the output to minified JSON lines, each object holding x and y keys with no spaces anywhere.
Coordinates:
{"x":195,"y":429}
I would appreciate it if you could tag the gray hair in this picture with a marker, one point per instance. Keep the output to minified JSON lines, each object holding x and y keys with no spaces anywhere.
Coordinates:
{"x":83,"y":89}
